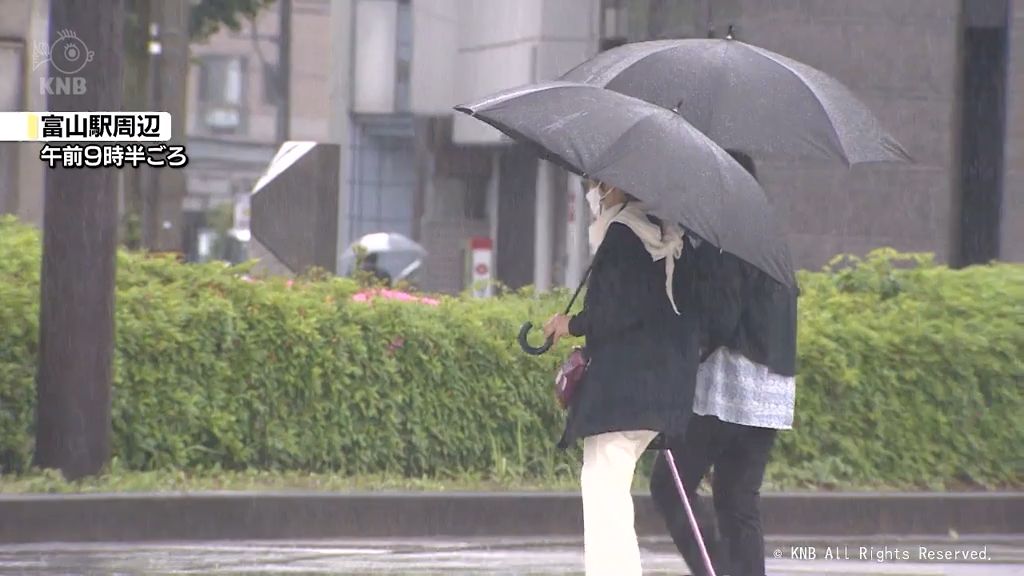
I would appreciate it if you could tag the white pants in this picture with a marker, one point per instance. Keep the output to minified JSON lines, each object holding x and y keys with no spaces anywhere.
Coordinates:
{"x":610,"y":545}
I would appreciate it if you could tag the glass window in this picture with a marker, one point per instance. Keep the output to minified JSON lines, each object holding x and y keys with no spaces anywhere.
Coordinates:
{"x":222,"y":89}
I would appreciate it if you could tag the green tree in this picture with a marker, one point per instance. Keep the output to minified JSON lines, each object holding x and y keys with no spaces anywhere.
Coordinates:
{"x":76,"y":313}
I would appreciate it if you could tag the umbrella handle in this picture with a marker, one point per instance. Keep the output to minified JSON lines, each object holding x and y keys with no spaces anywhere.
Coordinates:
{"x":525,"y":344}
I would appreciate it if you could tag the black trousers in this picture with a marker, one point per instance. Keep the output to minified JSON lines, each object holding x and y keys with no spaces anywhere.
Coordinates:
{"x":739,"y":455}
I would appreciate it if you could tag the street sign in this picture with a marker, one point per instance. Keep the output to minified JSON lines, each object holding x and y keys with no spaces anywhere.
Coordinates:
{"x":481,"y":253}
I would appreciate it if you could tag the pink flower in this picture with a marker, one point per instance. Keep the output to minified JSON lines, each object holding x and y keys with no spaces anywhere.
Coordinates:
{"x":366,"y":295}
{"x":289,"y":283}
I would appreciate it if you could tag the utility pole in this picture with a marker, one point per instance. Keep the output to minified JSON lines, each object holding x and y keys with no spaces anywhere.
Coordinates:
{"x":284,"y":70}
{"x":76,"y":312}
{"x":137,"y":82}
{"x":150,"y":221}
{"x":171,"y":96}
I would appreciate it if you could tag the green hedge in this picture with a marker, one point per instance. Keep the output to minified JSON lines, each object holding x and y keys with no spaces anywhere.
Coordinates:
{"x":908,"y":376}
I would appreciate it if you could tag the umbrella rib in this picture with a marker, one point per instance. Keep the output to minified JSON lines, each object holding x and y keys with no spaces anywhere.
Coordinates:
{"x":508,"y":96}
{"x":723,"y":69}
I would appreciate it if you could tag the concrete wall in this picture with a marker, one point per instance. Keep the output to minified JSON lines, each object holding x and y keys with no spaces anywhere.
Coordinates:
{"x":508,"y":43}
{"x":1012,"y":248}
{"x":373,"y":84}
{"x":901,"y":58}
{"x":435,"y":39}
{"x":311,"y":51}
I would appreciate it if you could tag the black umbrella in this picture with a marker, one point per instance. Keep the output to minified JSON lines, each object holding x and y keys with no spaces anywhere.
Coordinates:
{"x":746,"y":98}
{"x":650,"y":152}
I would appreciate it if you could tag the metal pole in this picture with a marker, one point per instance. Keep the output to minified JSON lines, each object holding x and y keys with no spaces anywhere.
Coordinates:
{"x":577,"y":243}
{"x":543,"y":247}
{"x":151,"y":193}
{"x":284,"y":70}
{"x":493,"y":189}
{"x":173,"y":74}
{"x":341,"y":96}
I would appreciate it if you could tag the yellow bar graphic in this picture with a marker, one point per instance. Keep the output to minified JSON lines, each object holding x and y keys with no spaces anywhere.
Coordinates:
{"x":33,"y":126}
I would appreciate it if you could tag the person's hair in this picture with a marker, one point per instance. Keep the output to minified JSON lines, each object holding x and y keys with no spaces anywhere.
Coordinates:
{"x":744,"y":160}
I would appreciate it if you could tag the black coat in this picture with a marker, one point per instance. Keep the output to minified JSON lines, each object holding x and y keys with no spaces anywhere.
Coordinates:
{"x":745,"y":310}
{"x":643,"y":357}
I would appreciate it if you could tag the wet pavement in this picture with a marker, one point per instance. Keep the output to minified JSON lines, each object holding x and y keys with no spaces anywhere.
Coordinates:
{"x":793,"y":557}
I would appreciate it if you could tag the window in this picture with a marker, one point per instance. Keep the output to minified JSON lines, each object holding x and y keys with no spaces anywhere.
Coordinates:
{"x":382,"y":177}
{"x":222,"y":94}
{"x":983,"y":78}
{"x":11,"y":74}
{"x":10,"y":100}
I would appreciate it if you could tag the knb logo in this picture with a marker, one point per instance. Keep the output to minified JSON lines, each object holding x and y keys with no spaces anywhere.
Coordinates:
{"x":68,"y":55}
{"x":803,"y":553}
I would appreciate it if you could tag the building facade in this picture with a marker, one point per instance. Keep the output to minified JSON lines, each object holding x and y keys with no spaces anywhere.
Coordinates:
{"x":945,"y":76}
{"x":24,"y":24}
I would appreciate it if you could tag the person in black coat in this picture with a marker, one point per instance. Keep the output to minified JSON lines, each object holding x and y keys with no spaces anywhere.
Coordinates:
{"x":745,"y":393}
{"x":641,"y":339}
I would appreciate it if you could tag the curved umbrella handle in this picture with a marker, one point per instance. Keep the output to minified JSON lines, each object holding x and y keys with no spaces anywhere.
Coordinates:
{"x":525,"y":344}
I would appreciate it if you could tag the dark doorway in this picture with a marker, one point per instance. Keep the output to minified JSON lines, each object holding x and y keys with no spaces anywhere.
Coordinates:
{"x":985,"y":44}
{"x":517,"y":213}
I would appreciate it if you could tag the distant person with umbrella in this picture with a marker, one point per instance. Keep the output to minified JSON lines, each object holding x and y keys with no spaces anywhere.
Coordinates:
{"x":745,"y":393}
{"x":641,"y":347}
{"x":389,"y":256}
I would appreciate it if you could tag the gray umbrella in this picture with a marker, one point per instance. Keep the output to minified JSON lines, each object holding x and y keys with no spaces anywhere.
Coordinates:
{"x":651,"y":153}
{"x":746,"y":98}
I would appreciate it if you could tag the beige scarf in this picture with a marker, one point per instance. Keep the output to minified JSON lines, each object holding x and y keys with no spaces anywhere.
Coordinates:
{"x":662,"y":242}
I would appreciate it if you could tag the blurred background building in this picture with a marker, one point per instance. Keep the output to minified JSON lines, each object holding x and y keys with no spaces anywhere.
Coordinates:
{"x":945,"y":76}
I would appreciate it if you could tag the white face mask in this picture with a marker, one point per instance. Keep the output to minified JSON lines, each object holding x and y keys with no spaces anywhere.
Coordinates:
{"x":594,"y":198}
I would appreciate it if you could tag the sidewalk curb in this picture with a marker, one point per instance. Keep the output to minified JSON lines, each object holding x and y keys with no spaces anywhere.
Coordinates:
{"x":137,"y":517}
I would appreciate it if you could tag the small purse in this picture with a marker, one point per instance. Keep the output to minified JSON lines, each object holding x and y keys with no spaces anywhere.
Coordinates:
{"x":574,"y":368}
{"x":569,"y":376}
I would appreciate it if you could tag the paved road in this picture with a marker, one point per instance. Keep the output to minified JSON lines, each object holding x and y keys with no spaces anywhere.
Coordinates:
{"x":479,"y":558}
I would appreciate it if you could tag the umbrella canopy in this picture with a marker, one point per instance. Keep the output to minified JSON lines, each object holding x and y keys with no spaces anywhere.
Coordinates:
{"x":746,"y":98}
{"x":396,"y":254}
{"x":651,"y":153}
